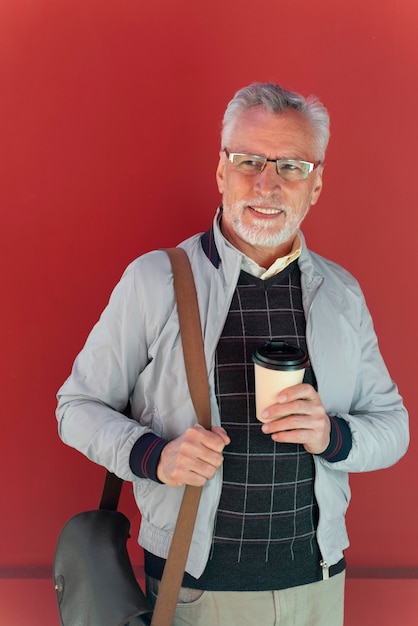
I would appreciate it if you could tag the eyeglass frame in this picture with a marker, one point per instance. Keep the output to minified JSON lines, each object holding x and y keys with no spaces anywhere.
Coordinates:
{"x":312,"y":166}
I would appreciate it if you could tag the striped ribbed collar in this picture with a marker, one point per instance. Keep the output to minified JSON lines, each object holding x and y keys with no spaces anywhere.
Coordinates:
{"x":207,"y":240}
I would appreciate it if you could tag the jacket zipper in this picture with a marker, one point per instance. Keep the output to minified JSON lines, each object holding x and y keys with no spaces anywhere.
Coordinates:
{"x":324,"y":565}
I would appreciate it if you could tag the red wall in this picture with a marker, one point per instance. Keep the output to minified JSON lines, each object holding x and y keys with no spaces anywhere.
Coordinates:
{"x":109,"y":132}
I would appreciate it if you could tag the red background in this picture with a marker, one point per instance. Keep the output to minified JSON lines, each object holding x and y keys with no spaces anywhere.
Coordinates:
{"x":109,"y":134}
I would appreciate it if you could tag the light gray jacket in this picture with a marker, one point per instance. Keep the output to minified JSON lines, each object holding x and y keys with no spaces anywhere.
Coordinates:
{"x":134,"y":351}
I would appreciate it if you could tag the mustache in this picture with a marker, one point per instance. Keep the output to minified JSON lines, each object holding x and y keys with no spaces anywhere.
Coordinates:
{"x":271,"y":201}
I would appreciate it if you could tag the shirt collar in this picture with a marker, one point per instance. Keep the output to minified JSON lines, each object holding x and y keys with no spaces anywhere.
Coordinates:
{"x":251,"y":267}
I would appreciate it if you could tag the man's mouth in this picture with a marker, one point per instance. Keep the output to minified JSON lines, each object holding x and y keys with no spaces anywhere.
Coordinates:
{"x":266,"y":210}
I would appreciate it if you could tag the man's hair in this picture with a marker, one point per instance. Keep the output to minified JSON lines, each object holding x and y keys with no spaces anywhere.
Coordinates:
{"x":276,"y":99}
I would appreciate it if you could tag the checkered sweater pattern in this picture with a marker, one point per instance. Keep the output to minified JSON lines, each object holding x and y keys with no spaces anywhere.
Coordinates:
{"x":265,"y":527}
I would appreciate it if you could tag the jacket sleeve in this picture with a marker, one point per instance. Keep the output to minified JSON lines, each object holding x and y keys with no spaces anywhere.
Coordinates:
{"x":377,"y":417}
{"x":92,"y":400}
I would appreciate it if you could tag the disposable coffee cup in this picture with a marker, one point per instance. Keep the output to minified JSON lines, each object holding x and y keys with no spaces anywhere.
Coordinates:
{"x":277,"y":365}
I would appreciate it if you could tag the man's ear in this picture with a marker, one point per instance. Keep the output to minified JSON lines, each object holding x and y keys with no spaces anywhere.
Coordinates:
{"x":316,"y":192}
{"x":220,"y":174}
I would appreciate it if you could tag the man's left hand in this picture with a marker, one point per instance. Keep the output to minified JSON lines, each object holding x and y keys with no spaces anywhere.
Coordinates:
{"x":298,"y":417}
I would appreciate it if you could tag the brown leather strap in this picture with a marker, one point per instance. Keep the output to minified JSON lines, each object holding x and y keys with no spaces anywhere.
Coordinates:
{"x":111,"y":492}
{"x":191,"y":334}
{"x":197,"y":379}
{"x":194,"y":359}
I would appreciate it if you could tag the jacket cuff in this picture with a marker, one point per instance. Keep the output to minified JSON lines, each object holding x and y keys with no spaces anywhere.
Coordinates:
{"x":341,"y":440}
{"x":145,"y":456}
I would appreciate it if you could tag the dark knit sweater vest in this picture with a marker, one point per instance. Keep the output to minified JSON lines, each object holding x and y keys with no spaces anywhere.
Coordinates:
{"x":264,"y":536}
{"x":265,"y":526}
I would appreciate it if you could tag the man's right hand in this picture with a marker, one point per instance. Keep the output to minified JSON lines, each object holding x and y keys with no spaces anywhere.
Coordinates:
{"x":192,"y":458}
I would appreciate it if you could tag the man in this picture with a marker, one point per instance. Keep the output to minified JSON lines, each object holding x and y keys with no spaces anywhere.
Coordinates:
{"x":269,"y":541}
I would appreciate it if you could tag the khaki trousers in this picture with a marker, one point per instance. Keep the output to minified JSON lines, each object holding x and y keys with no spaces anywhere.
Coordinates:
{"x":316,"y":604}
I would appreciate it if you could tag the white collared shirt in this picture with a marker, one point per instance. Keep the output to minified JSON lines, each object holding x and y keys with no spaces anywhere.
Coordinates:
{"x":251,"y":267}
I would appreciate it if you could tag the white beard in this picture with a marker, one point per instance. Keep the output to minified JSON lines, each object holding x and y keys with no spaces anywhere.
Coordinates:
{"x":260,"y":233}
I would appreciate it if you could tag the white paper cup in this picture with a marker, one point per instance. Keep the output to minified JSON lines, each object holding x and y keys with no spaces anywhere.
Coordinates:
{"x":277,"y":365}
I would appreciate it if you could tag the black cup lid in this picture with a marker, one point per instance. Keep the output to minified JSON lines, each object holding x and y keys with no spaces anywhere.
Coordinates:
{"x":279,"y":355}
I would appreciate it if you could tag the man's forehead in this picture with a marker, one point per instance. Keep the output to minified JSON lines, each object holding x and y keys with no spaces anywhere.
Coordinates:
{"x":260,"y":117}
{"x":260,"y":126}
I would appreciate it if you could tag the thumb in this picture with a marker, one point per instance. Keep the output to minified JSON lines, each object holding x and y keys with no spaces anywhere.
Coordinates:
{"x":218,"y":430}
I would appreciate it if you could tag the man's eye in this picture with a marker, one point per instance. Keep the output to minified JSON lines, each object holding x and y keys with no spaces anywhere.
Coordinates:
{"x":251,"y":163}
{"x":291,"y":167}
{"x":248,"y":165}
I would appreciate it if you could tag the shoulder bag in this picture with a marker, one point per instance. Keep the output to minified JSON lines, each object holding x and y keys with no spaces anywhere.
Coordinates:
{"x":94,"y":581}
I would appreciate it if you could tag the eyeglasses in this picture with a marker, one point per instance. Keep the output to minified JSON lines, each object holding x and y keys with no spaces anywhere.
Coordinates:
{"x":289,"y":169}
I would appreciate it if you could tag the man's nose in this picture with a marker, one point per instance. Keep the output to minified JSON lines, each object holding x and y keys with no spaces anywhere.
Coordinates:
{"x":268,"y":179}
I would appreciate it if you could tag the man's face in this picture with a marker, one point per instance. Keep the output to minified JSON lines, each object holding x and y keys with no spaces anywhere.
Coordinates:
{"x":262,"y":212}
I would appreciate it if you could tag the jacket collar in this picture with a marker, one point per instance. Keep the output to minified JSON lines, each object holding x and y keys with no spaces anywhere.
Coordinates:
{"x":208,"y":243}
